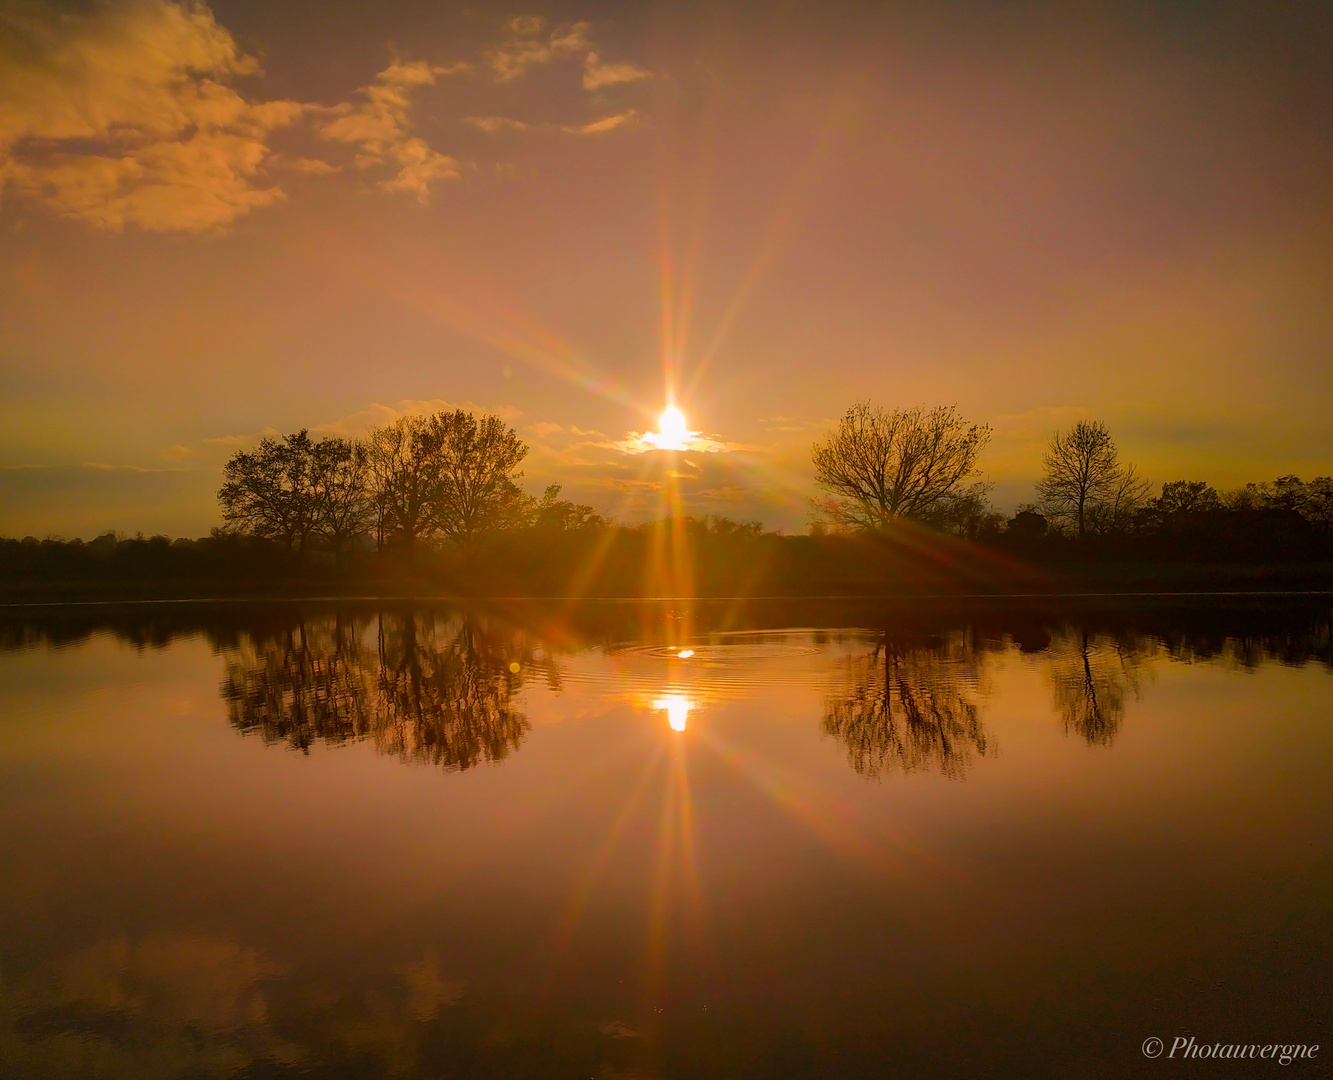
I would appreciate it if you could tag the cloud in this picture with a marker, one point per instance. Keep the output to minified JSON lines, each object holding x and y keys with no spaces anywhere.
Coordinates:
{"x":123,"y":115}
{"x":598,"y":127}
{"x":377,"y":414}
{"x":531,"y":43}
{"x":695,"y":442}
{"x":597,"y":75}
{"x":126,"y":114}
{"x":494,"y":124}
{"x":379,"y":129}
{"x":314,"y":166}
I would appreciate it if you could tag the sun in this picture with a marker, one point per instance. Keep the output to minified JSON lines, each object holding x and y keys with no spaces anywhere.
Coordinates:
{"x":672,"y":424}
{"x":673,"y":432}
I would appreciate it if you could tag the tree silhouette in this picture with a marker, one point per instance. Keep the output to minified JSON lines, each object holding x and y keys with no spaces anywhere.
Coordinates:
{"x":878,"y":467}
{"x":1084,"y":486}
{"x":403,"y":461}
{"x":479,"y":462}
{"x":344,"y":509}
{"x":450,"y":475}
{"x":268,"y":491}
{"x":910,"y":708}
{"x":1186,"y":497}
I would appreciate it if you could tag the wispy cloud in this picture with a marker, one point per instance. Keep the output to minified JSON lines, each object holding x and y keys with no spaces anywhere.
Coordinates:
{"x":597,"y":75}
{"x":492,"y":125}
{"x":313,"y":166}
{"x":599,"y":127}
{"x":533,"y":42}
{"x":380,"y":129}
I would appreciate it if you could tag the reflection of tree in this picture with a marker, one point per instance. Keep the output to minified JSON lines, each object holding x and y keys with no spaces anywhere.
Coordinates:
{"x":430,"y":690}
{"x":305,"y":684}
{"x":1091,"y":679}
{"x":446,"y":702}
{"x":911,"y":708}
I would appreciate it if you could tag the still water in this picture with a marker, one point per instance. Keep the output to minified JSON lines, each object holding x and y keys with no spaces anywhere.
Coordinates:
{"x":647,"y":840}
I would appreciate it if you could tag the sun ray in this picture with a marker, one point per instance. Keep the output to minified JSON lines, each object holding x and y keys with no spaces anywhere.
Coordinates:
{"x":596,"y":867}
{"x":886,"y":854}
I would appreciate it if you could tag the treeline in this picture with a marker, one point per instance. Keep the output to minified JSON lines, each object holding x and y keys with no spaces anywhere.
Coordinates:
{"x":881,"y":470}
{"x":431,"y":505}
{"x":443,"y":478}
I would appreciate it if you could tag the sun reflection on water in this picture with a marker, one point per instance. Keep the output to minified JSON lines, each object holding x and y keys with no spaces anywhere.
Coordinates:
{"x":677,"y":708}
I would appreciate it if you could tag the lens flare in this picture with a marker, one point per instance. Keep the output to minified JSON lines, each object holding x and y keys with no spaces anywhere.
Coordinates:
{"x":677,"y":708}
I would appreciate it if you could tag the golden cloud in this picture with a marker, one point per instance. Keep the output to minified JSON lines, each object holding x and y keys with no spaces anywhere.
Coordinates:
{"x":598,"y":127}
{"x":126,"y":115}
{"x":531,"y":44}
{"x":494,"y":124}
{"x":379,"y":129}
{"x":123,"y":115}
{"x":597,"y":75}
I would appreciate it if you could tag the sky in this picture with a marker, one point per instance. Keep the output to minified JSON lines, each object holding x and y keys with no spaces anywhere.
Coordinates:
{"x":229,"y":220}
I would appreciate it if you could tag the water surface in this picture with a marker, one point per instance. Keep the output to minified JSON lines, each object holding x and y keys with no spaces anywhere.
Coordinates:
{"x":655,"y":840}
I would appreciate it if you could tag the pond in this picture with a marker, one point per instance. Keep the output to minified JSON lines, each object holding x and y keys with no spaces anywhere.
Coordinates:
{"x":662,"y":839}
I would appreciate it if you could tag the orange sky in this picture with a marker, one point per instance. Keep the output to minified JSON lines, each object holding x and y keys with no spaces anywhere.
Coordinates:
{"x":219,"y":221}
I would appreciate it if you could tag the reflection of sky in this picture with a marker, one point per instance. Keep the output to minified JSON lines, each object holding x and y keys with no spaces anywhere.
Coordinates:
{"x":617,"y":869}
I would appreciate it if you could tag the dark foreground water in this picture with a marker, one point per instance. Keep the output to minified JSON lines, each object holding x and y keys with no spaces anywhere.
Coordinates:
{"x":649,"y":840}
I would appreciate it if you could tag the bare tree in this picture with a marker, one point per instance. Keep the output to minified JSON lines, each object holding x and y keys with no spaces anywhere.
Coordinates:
{"x":403,"y":459}
{"x":1084,"y":486}
{"x":1116,"y":513}
{"x":878,"y":466}
{"x":344,"y":508}
{"x":267,"y":491}
{"x":478,"y":490}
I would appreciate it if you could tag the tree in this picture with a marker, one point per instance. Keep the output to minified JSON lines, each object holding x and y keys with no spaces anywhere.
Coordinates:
{"x":1028,"y":524}
{"x":403,"y":462}
{"x":1084,"y":485}
{"x":267,"y":491}
{"x":554,"y":514}
{"x":1313,"y":500}
{"x":878,"y":467}
{"x":344,"y":507}
{"x":1118,"y":512}
{"x":1186,"y":497}
{"x":478,"y":461}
